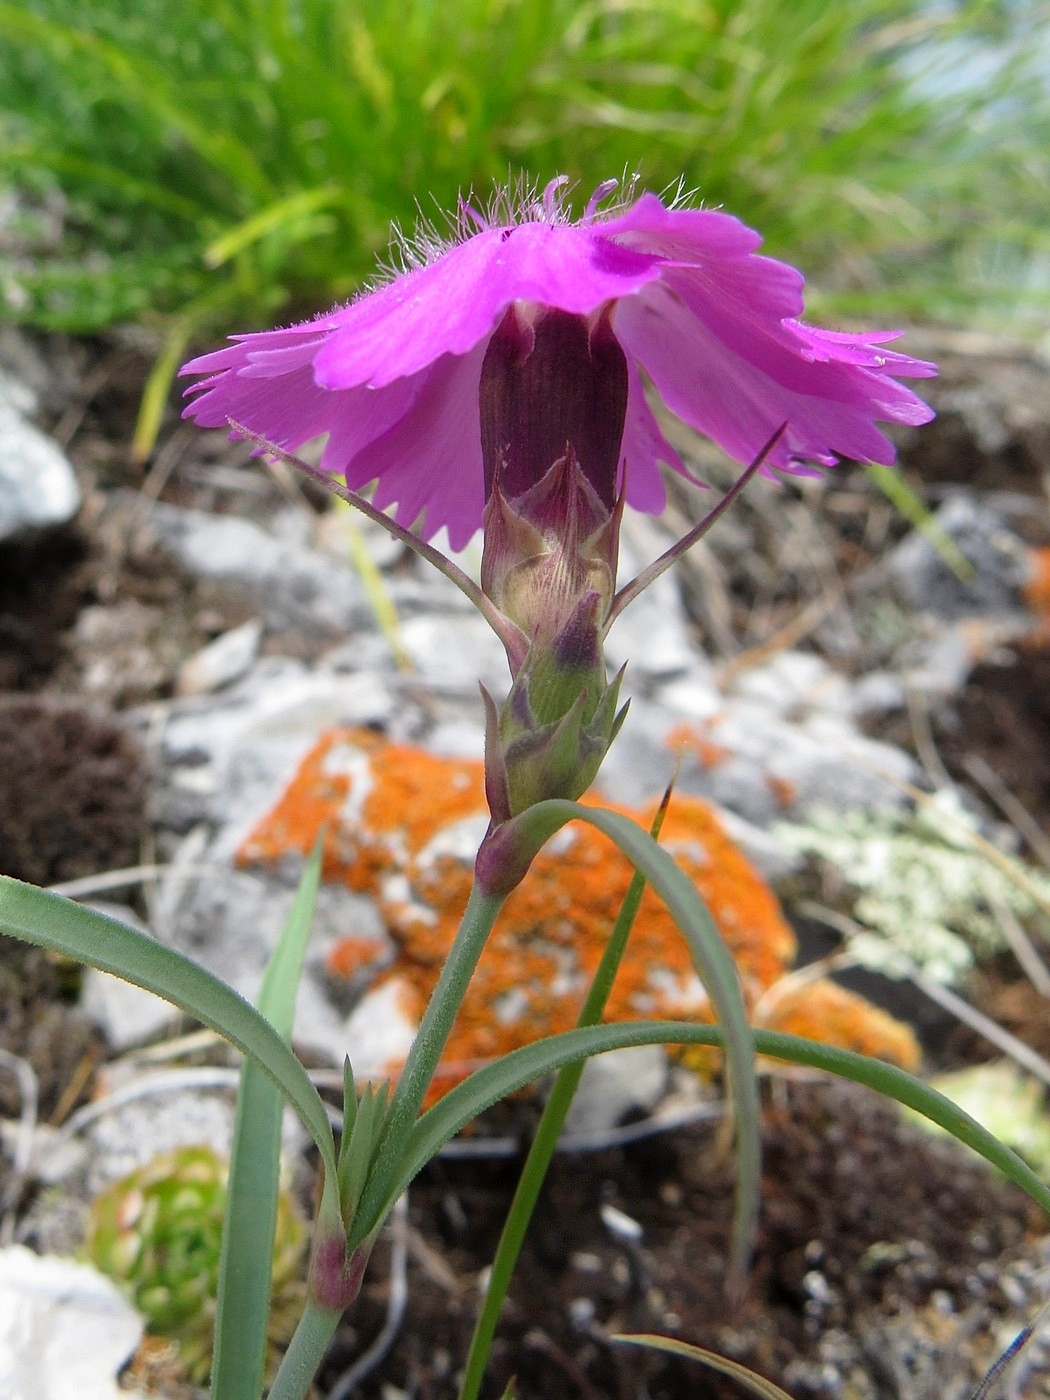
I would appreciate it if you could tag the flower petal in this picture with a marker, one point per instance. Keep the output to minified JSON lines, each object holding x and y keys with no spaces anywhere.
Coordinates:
{"x":456,"y":302}
{"x":728,"y":376}
{"x":430,"y":459}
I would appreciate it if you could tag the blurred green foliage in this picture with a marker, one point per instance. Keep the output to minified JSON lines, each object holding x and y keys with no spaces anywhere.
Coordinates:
{"x":237,"y":162}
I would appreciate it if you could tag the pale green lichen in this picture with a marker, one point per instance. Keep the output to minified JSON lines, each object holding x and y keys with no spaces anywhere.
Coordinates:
{"x":1006,"y":1101}
{"x":920,"y":889}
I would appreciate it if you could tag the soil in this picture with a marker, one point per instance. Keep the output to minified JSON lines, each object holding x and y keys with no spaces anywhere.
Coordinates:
{"x":888,"y":1262}
{"x":866,"y":1224}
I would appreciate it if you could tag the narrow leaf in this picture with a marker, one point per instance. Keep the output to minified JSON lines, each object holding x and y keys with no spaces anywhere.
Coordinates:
{"x":246,"y":1262}
{"x":716,"y":969}
{"x":48,"y":921}
{"x":512,"y":1072}
{"x":273,"y":216}
{"x":758,"y":1385}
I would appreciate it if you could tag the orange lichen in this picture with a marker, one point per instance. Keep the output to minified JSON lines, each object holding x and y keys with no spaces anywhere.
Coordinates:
{"x":690,"y":739}
{"x":783,"y":789}
{"x":384,"y":805}
{"x":1036,"y":590}
{"x":822,"y":1010}
{"x":378,"y":802}
{"x":351,"y":956}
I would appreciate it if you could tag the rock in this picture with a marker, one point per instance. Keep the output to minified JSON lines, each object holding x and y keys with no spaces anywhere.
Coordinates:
{"x":614,"y":1085}
{"x":754,"y":756}
{"x":379,"y":1032}
{"x":793,"y":685}
{"x":65,"y":1330}
{"x":403,"y":827}
{"x":221,"y":662}
{"x":16,"y":396}
{"x":294,"y":588}
{"x":999,"y":559}
{"x":126,"y":1014}
{"x":126,"y":650}
{"x":223,"y":758}
{"x":38,"y":489}
{"x":230,"y":921}
{"x":152,"y":1113}
{"x":652,"y":633}
{"x":451,"y":654}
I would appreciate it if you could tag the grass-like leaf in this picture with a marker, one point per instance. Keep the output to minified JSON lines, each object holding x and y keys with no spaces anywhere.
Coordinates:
{"x":548,"y":1130}
{"x":485,"y":1086}
{"x":896,"y":149}
{"x":246,"y":1262}
{"x":48,"y":921}
{"x":717,"y":971}
{"x":750,"y":1380}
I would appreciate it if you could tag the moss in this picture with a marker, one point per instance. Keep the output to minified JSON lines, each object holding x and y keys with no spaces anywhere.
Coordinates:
{"x":389,"y":810}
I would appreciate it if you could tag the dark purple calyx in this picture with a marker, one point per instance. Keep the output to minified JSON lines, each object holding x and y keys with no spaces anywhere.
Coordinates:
{"x":550,"y":378}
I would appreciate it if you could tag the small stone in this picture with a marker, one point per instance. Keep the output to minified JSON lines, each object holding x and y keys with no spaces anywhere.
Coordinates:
{"x":451,"y":654}
{"x":127,"y":1015}
{"x":614,"y":1085}
{"x":293,"y":587}
{"x":38,"y":490}
{"x":997,"y":556}
{"x":221,"y":662}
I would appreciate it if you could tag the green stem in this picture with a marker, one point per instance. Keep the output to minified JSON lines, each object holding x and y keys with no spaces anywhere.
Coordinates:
{"x":445,"y":1001}
{"x":305,"y":1353}
{"x":545,"y":1141}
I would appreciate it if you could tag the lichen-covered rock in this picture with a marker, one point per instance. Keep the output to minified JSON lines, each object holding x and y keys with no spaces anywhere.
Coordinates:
{"x":403,"y":825}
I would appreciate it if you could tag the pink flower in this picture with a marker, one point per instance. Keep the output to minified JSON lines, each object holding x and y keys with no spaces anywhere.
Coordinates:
{"x":393,"y":378}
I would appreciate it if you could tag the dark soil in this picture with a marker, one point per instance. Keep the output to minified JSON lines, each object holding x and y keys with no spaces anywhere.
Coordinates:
{"x":1003,"y":717}
{"x":40,"y":1023}
{"x":865,"y":1220}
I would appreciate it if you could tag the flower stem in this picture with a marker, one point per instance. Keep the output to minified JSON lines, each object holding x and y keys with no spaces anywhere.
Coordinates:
{"x":478,"y":919}
{"x":545,"y":1141}
{"x":306,"y":1351}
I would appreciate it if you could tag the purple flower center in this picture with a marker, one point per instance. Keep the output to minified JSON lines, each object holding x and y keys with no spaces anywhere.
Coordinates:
{"x":551,"y":381}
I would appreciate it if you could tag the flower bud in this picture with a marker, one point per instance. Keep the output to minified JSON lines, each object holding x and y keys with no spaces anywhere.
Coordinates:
{"x":553,"y":400}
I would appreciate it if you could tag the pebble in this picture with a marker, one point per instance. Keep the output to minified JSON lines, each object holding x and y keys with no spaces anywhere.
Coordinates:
{"x":221,"y":662}
{"x":38,"y":489}
{"x":290,"y":585}
{"x":998,"y":557}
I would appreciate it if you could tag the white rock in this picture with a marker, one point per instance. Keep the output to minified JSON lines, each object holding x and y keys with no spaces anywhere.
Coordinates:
{"x":38,"y":490}
{"x":452,"y":654}
{"x":221,"y":662}
{"x":378,"y":1032}
{"x":126,"y":1014}
{"x":652,"y":633}
{"x":17,"y":396}
{"x":226,"y":758}
{"x":614,"y":1085}
{"x":230,"y":921}
{"x":294,"y":588}
{"x":795,"y":683}
{"x":65,"y":1330}
{"x":998,"y":557}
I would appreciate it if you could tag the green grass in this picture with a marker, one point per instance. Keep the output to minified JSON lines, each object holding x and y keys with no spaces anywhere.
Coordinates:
{"x":217,"y":164}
